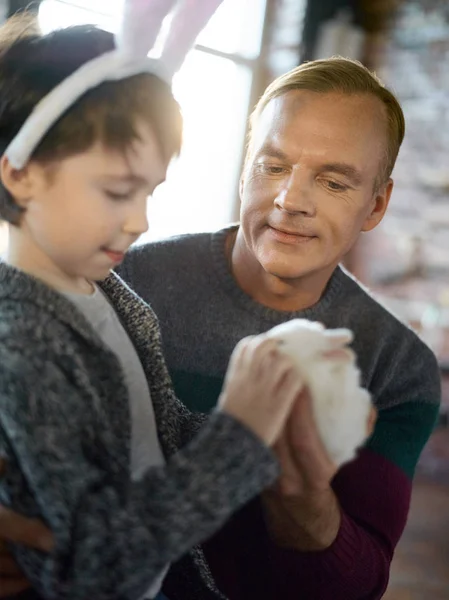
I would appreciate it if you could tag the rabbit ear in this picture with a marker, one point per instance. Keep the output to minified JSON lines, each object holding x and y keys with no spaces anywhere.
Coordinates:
{"x":189,"y":19}
{"x":140,"y":25}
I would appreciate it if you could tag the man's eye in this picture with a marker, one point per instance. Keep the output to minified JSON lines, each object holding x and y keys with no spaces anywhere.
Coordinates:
{"x":271,"y":169}
{"x":336,"y":187}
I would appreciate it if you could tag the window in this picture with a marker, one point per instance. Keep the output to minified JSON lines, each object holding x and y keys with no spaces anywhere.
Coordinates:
{"x":214,"y":89}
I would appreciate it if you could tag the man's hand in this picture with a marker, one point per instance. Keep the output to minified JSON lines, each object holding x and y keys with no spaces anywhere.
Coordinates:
{"x":12,"y":581}
{"x":302,"y":510}
{"x":19,"y":530}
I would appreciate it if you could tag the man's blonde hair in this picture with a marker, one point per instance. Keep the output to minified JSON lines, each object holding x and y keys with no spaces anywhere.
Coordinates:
{"x":344,"y":76}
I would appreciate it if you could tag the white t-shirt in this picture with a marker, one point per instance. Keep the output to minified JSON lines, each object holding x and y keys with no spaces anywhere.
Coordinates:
{"x":145,"y":447}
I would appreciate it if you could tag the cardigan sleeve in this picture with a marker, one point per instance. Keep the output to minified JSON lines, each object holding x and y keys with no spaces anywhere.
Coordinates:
{"x":112,"y":536}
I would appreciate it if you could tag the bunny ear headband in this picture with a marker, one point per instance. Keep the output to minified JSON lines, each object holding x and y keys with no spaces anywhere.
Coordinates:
{"x":140,"y":27}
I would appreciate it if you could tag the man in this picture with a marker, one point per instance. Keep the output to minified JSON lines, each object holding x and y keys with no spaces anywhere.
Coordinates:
{"x":323,"y":144}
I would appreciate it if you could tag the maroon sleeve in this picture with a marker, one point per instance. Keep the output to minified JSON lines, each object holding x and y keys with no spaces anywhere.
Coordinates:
{"x":374,"y":496}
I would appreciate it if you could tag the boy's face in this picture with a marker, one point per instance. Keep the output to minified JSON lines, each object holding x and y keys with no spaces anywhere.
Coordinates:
{"x":81,"y":217}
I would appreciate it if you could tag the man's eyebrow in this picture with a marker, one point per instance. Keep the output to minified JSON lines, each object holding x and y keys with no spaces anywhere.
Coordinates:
{"x":271,"y":151}
{"x":344,"y":169}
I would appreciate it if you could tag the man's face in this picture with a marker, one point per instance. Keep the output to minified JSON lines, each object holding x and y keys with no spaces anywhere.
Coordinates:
{"x":309,"y":187}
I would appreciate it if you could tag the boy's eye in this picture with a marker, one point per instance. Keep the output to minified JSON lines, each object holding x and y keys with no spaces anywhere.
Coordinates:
{"x":118,"y":196}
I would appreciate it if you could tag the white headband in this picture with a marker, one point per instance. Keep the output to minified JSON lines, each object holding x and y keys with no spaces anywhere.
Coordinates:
{"x":140,"y":27}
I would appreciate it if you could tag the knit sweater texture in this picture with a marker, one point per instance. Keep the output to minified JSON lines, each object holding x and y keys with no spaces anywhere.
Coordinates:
{"x":203,"y":314}
{"x":65,"y":433}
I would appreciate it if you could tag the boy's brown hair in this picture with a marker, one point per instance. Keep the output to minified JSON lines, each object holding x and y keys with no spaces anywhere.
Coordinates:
{"x":32,"y":64}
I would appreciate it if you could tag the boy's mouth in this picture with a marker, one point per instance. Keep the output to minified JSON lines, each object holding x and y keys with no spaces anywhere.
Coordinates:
{"x":116,"y":256}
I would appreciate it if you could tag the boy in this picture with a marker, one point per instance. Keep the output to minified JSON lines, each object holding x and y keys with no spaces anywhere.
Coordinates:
{"x":89,"y":425}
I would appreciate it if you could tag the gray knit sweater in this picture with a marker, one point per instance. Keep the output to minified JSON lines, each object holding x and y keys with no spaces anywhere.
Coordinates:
{"x":65,"y":432}
{"x":203,"y":313}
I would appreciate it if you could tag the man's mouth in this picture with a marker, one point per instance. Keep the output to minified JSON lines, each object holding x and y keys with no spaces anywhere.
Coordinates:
{"x":287,"y":236}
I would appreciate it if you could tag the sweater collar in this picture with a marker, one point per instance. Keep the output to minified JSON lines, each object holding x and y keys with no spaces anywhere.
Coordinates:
{"x":15,"y":285}
{"x":229,"y":285}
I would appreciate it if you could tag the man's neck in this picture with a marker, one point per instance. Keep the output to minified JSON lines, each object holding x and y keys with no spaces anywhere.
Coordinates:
{"x":289,"y":295}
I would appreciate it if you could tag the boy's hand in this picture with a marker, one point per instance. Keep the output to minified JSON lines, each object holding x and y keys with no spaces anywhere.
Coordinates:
{"x":260,"y":387}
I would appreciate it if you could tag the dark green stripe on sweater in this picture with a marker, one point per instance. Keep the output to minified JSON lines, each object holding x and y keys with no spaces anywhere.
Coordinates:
{"x":198,"y":392}
{"x":401,"y":432}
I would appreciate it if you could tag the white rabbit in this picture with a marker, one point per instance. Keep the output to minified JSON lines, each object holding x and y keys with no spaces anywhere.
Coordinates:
{"x":341,"y":407}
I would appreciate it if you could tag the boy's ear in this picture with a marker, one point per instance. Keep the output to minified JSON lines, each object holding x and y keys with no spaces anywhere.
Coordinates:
{"x":18,"y":182}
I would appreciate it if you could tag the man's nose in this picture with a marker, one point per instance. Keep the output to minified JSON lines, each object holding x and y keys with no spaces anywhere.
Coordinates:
{"x":296,"y":196}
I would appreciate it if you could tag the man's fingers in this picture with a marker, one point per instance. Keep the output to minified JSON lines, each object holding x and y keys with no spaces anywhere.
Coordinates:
{"x":282,"y":452}
{"x":21,"y":530}
{"x":9,"y":567}
{"x":288,"y":483}
{"x":12,"y":587}
{"x":340,"y":354}
{"x":371,"y":422}
{"x":304,"y":437}
{"x":12,"y":581}
{"x":301,"y":425}
{"x":337,"y":338}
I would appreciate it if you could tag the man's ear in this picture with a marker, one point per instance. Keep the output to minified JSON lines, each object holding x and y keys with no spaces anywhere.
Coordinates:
{"x":379,"y":205}
{"x":245,"y":171}
{"x":18,"y":182}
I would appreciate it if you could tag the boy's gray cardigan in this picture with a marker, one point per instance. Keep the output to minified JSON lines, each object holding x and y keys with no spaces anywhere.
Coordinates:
{"x":65,"y":433}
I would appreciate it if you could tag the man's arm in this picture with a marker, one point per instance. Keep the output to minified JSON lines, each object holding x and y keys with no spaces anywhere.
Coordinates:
{"x":373,"y":497}
{"x":307,"y":523}
{"x":307,"y":516}
{"x":373,"y":494}
{"x":259,"y":556}
{"x":302,"y":511}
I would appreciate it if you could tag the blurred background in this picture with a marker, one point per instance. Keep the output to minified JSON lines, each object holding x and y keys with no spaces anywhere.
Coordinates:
{"x":406,"y":260}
